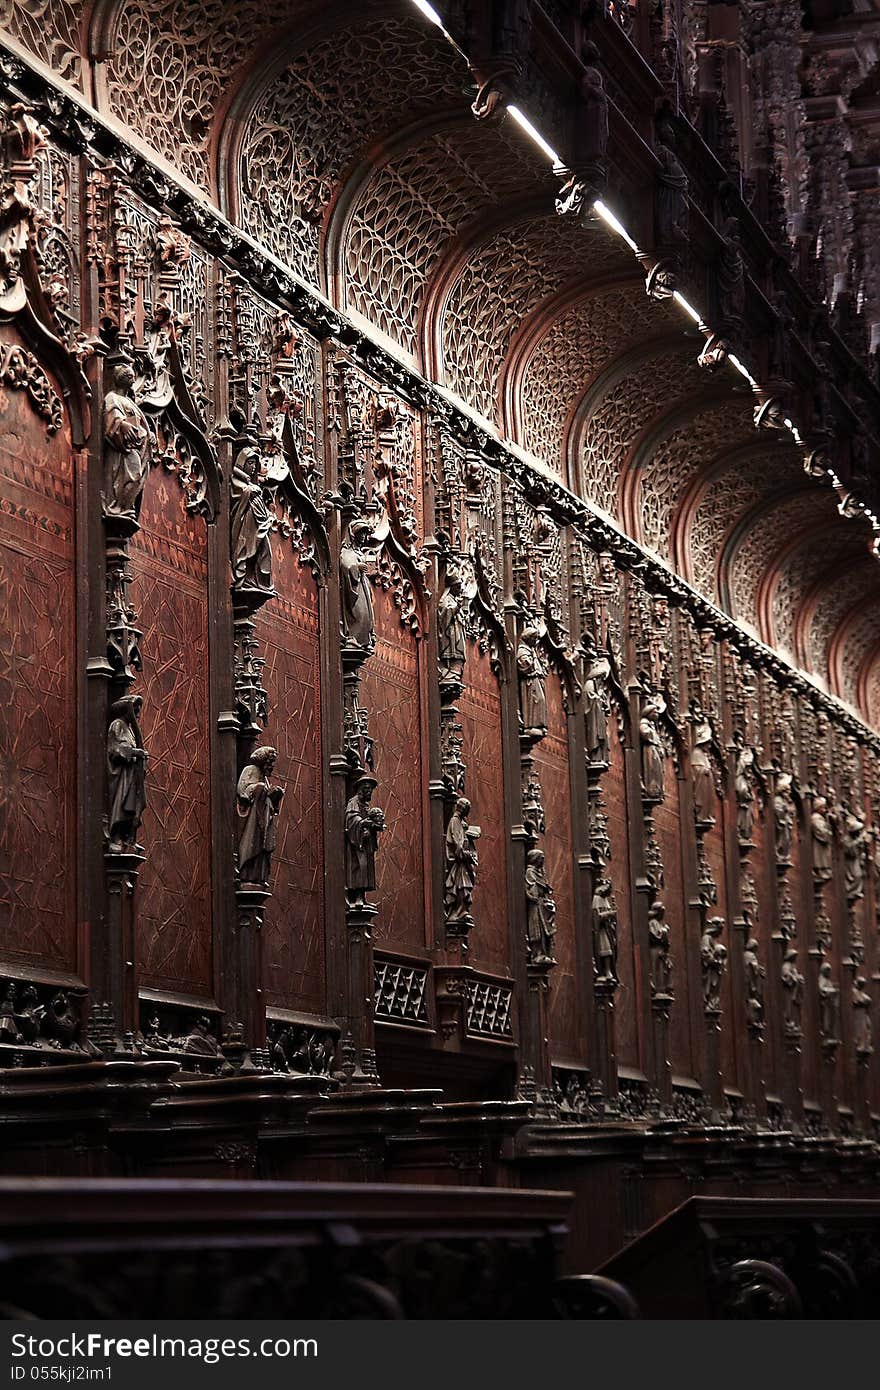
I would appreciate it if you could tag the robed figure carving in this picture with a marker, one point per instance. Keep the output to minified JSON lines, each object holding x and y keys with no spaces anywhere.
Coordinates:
{"x":783,"y":818}
{"x":745,"y":797}
{"x":128,"y":447}
{"x":451,"y":633}
{"x":653,"y":771}
{"x":820,"y":826}
{"x":258,"y":806}
{"x":461,"y":865}
{"x":829,"y":1005}
{"x":863,"y":1027}
{"x":793,"y":985}
{"x":597,"y":702}
{"x":754,"y":978}
{"x":660,"y":948}
{"x":855,"y":840}
{"x":127,"y":771}
{"x":540,"y":910}
{"x":604,"y":934}
{"x":701,"y":773}
{"x":250,"y":526}
{"x":713,"y":960}
{"x":355,"y":593}
{"x":532,"y":673}
{"x":363,"y":825}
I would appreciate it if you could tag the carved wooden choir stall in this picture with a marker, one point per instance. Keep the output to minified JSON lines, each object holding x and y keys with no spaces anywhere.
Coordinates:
{"x":440,"y":673}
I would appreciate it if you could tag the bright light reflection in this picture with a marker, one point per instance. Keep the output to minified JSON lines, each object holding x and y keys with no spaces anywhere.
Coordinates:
{"x":688,"y":308}
{"x":743,"y":370}
{"x":429,"y":12}
{"x":523,"y":121}
{"x":607,"y":216}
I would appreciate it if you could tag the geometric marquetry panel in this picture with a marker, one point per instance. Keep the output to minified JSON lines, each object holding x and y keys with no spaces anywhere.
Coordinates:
{"x":389,"y":691}
{"x":37,"y":692}
{"x":293,"y":927}
{"x":169,"y":592}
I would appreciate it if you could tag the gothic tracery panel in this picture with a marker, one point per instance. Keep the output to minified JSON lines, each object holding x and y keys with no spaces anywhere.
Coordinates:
{"x":620,"y":412}
{"x":413,"y":205}
{"x":754,"y":554}
{"x":50,"y":30}
{"x":674,"y":462}
{"x":332,"y":100}
{"x":500,"y":282}
{"x":577,"y":344}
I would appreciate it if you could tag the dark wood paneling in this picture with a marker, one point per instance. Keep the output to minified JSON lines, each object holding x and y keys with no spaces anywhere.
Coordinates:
{"x":480,"y":710}
{"x":293,"y":929}
{"x":169,"y":579}
{"x":37,"y":690}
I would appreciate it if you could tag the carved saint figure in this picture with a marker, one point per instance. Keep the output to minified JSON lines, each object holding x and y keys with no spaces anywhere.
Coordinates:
{"x":731,"y":281}
{"x":745,"y":797}
{"x":671,"y":202}
{"x":783,"y":817}
{"x":829,"y":1004}
{"x":820,"y":827}
{"x":754,"y":976}
{"x":863,"y":1032}
{"x":854,"y":846}
{"x":597,"y":703}
{"x":250,"y":524}
{"x":604,"y":933}
{"x":653,"y":770}
{"x":127,"y":447}
{"x":793,"y":986}
{"x":461,"y":864}
{"x":701,"y":773}
{"x":660,"y":949}
{"x":713,"y":960}
{"x":540,"y":910}
{"x":363,"y":825}
{"x":451,"y":634}
{"x":127,"y":769}
{"x":532,"y":673}
{"x":258,"y":806}
{"x":355,"y":593}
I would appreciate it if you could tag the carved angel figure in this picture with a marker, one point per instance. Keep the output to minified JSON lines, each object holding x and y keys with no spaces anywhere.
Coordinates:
{"x":127,"y":447}
{"x":540,"y":910}
{"x":363,"y":825}
{"x":451,"y":634}
{"x":356,"y":595}
{"x":461,"y":863}
{"x":258,"y":806}
{"x":250,"y":525}
{"x":126,"y":769}
{"x":532,"y":684}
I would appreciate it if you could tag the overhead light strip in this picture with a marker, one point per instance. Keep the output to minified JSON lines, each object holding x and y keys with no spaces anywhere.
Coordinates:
{"x":602,"y":211}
